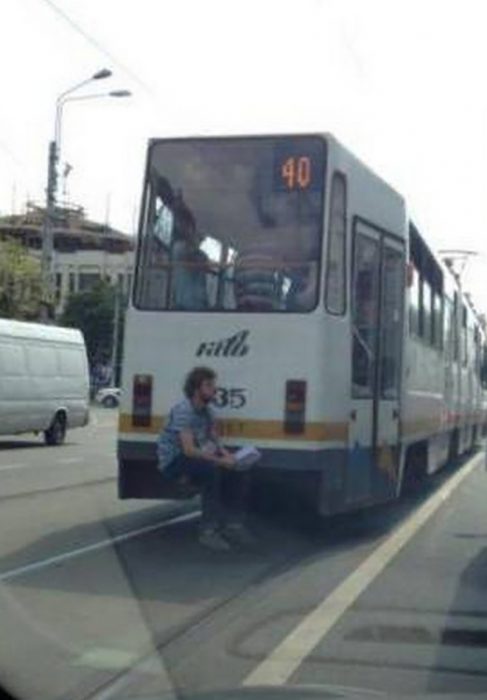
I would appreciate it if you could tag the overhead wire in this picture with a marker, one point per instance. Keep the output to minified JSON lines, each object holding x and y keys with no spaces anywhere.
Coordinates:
{"x":98,"y":45}
{"x":10,"y":153}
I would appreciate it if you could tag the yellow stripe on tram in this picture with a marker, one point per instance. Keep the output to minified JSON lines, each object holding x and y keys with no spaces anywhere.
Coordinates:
{"x":251,"y":429}
{"x":423,"y":426}
{"x":274,"y":429}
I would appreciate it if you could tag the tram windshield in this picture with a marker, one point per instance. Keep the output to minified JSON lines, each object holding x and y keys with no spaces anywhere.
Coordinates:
{"x":232,"y":225}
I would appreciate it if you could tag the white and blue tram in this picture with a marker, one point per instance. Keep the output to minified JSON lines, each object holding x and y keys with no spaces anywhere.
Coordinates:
{"x":344,"y":350}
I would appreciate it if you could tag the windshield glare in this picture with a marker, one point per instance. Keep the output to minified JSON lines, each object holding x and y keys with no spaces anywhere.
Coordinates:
{"x":232,"y":225}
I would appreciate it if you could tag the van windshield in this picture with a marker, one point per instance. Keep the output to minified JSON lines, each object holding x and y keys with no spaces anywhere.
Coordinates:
{"x":232,"y":225}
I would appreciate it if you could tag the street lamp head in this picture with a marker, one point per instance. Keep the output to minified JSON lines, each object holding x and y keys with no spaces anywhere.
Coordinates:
{"x":101,"y":74}
{"x":120,"y":93}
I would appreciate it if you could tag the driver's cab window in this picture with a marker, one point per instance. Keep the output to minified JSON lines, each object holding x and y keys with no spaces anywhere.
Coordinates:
{"x":153,"y":287}
{"x":223,"y":229}
{"x":181,"y":260}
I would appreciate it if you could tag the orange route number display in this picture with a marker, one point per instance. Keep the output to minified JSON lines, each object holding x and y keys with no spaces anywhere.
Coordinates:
{"x":296,"y":173}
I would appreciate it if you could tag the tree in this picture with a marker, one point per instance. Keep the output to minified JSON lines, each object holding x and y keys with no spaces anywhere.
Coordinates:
{"x":93,"y":313}
{"x":20,"y":282}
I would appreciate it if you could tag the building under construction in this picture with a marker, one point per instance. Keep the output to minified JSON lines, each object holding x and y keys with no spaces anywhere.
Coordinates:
{"x":85,"y":251}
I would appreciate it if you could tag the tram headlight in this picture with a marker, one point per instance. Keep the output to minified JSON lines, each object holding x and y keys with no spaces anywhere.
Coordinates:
{"x":295,"y":406}
{"x":142,"y":400}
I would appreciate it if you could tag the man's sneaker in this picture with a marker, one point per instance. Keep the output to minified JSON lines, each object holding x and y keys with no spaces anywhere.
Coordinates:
{"x":238,"y":534}
{"x":213,"y":540}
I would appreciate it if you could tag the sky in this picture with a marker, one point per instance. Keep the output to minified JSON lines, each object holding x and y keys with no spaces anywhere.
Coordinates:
{"x":400,"y":83}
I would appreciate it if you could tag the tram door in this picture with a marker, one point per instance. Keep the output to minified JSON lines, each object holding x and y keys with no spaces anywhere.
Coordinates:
{"x":377,"y":337}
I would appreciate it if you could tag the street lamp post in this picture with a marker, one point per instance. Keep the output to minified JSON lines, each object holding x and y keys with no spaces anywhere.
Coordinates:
{"x":79,"y":98}
{"x":53,"y":159}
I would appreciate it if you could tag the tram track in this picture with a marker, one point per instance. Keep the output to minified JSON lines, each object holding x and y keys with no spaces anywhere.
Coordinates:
{"x":56,"y":489}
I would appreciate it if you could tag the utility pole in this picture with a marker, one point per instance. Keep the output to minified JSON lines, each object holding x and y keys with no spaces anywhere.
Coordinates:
{"x":116,"y":333}
{"x":48,"y":237}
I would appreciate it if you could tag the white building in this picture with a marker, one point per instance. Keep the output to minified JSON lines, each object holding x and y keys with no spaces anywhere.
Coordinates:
{"x":85,"y":252}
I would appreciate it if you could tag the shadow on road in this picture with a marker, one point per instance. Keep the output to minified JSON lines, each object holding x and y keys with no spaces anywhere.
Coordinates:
{"x":15,"y":444}
{"x":283,"y":530}
{"x":175,"y":580}
{"x":461,"y":640}
{"x":18,"y":444}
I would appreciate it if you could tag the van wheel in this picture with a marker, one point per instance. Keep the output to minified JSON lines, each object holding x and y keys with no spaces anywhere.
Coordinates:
{"x":56,"y":433}
{"x":109,"y":402}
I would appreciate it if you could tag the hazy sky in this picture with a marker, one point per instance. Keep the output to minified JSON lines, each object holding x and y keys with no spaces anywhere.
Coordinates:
{"x":401,"y":83}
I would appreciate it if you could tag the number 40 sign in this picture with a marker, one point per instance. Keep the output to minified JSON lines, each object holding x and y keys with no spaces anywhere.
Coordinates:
{"x":296,"y":173}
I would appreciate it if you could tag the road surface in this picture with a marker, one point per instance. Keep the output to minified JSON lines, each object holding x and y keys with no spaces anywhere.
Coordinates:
{"x":107,"y":599}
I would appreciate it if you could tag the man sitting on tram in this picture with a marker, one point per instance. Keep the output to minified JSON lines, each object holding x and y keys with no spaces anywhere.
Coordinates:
{"x":189,"y":447}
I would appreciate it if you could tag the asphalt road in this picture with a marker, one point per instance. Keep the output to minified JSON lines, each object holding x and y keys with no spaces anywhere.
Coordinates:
{"x":109,"y":599}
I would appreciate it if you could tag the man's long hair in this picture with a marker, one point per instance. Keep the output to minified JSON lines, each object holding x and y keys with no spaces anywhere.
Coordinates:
{"x":195,"y":379}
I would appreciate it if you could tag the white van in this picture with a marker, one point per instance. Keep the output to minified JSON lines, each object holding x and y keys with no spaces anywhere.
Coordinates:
{"x":44,"y":380}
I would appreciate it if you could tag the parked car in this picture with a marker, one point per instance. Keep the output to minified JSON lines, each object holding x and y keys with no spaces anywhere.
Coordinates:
{"x":109,"y":396}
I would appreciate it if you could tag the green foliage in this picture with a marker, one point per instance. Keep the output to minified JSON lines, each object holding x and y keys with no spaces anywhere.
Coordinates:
{"x":20,"y":282}
{"x":92,"y":312}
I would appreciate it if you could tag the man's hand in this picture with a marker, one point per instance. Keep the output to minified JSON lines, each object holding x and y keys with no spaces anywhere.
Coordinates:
{"x":224,"y":452}
{"x":227,"y":461}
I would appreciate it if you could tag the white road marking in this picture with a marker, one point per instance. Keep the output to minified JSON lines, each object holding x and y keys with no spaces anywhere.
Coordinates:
{"x":8,"y":467}
{"x":106,"y":658}
{"x":64,"y":460}
{"x":128,"y":683}
{"x":66,"y":556}
{"x":281,"y":663}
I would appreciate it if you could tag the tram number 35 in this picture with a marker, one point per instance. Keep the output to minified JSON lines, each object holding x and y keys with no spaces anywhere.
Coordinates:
{"x":230,"y":398}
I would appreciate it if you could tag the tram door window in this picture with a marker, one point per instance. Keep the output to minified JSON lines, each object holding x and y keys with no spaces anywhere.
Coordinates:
{"x":364,"y":340}
{"x":365,"y":315}
{"x":378,"y":294}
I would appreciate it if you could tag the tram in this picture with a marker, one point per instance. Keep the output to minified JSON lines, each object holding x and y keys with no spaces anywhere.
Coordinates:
{"x":345,"y":351}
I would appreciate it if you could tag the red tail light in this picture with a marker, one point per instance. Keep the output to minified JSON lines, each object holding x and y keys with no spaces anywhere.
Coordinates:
{"x":295,"y":406}
{"x":142,"y":400}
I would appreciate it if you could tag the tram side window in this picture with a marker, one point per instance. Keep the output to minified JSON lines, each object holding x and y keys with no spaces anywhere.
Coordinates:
{"x":427,"y":313}
{"x":437,"y":322}
{"x":414,"y":304}
{"x":483,"y":366}
{"x":479,"y":355}
{"x":470,"y":346}
{"x":391,"y":329}
{"x":448,"y":328}
{"x":478,"y":352}
{"x":464,"y":336}
{"x":336,"y":255}
{"x":429,"y":326}
{"x":456,"y":339}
